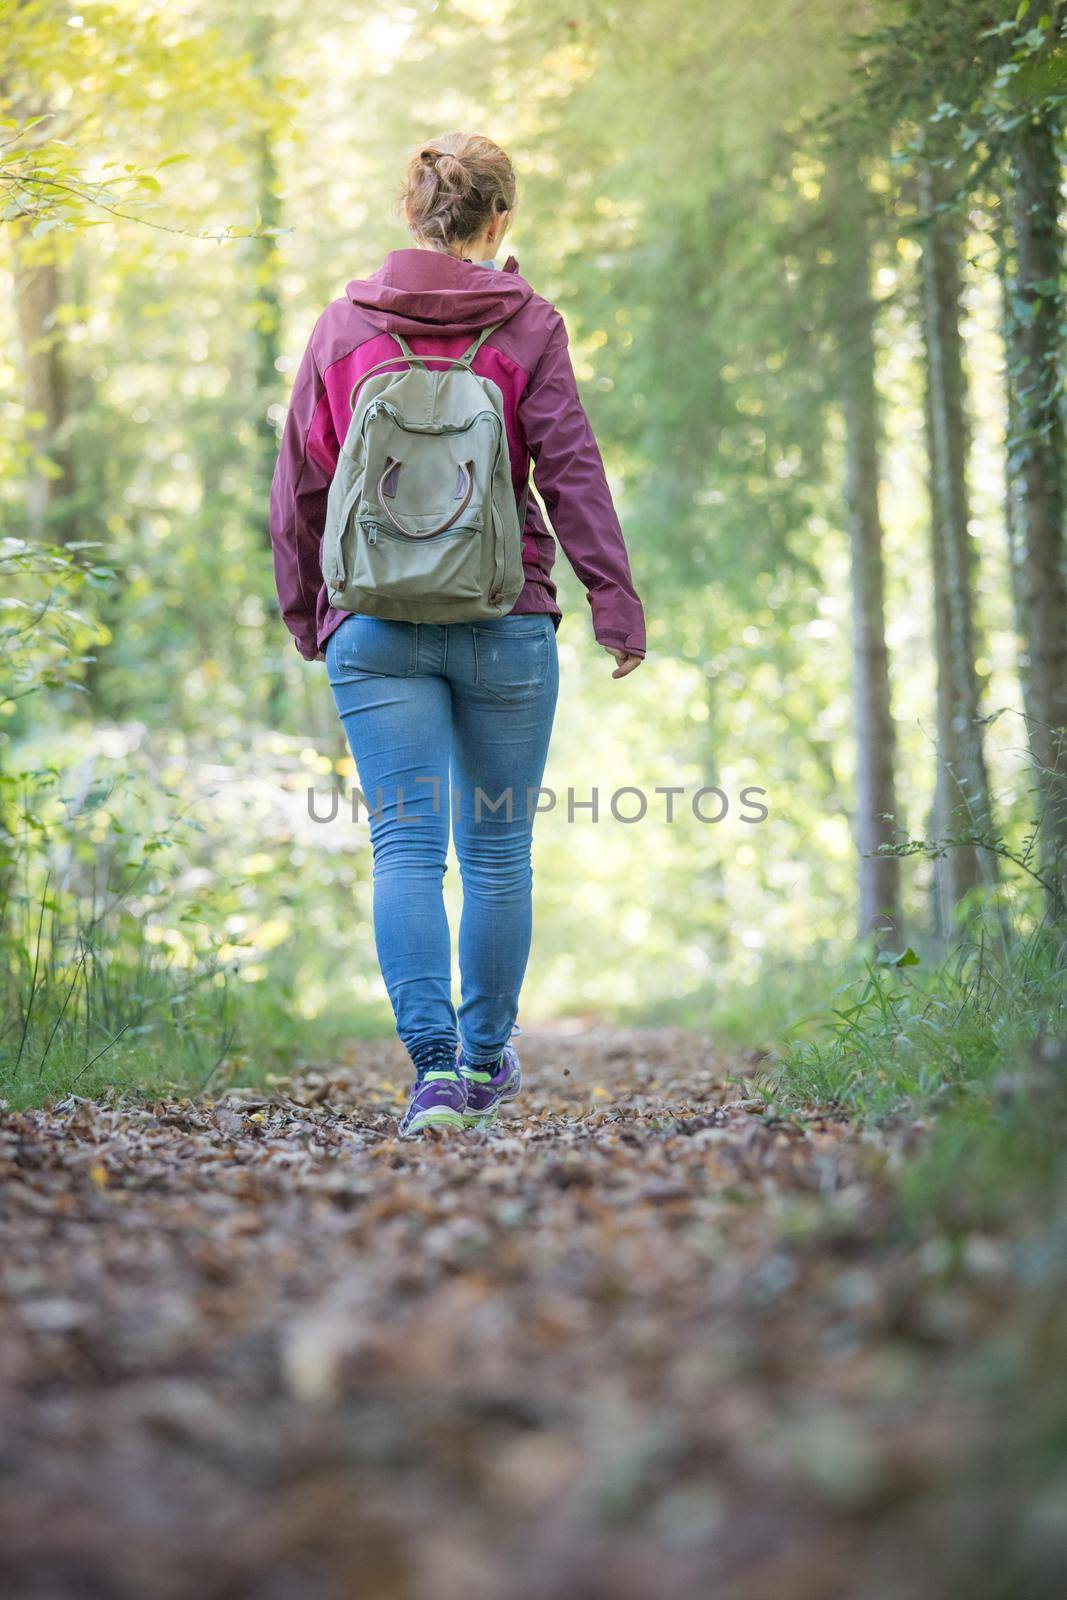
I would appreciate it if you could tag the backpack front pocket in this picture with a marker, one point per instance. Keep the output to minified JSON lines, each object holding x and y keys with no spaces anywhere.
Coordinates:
{"x":400,"y":504}
{"x":443,"y":566}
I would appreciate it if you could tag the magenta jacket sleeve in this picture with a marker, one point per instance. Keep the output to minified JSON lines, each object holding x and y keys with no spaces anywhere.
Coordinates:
{"x":569,"y":476}
{"x":298,"y":503}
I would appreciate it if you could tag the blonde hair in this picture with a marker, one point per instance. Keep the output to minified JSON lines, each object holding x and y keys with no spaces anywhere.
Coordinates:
{"x":454,"y":185}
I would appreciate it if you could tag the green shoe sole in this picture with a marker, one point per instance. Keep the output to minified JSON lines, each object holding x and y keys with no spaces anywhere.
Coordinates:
{"x":434,"y":1119}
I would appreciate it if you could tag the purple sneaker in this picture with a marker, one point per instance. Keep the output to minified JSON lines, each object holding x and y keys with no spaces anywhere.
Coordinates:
{"x":438,"y":1100}
{"x":489,"y":1089}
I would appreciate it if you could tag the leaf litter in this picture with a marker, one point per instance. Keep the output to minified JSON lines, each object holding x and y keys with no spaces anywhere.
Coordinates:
{"x":646,"y":1337}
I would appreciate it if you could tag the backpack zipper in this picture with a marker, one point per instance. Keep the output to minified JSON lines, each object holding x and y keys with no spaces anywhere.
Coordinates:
{"x":378,"y":405}
{"x":375,"y":528}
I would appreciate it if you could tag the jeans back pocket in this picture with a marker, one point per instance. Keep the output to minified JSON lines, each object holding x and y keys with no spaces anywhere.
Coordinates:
{"x":373,"y":644}
{"x":511,"y":660}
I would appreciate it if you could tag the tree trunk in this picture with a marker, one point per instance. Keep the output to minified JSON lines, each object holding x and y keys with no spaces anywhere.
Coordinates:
{"x":1013,"y":521}
{"x":946,"y":883}
{"x":1036,"y":465}
{"x":46,"y":385}
{"x":962,"y":803}
{"x":879,"y":876}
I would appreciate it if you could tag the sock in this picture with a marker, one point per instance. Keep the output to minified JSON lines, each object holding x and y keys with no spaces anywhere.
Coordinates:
{"x":434,"y":1056}
{"x":490,"y":1068}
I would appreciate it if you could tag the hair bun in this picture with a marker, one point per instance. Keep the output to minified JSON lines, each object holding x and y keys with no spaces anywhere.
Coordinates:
{"x":455,"y":186}
{"x":455,"y":173}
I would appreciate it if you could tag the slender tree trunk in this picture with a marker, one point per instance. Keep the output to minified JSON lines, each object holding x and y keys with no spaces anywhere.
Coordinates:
{"x":879,"y":878}
{"x":1036,"y":465}
{"x":46,"y":384}
{"x":1013,"y":511}
{"x":945,"y":882}
{"x":962,"y":803}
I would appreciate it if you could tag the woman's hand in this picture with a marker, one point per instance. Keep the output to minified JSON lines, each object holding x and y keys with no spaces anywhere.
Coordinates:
{"x":626,"y":662}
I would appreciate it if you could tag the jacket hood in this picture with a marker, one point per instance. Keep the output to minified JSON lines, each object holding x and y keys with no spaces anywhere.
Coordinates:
{"x":426,"y":291}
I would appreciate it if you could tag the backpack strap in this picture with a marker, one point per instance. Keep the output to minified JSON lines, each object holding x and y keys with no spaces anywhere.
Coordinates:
{"x":381,"y":366}
{"x":523,"y":503}
{"x":472,"y":350}
{"x":406,"y":348}
{"x":409,"y":355}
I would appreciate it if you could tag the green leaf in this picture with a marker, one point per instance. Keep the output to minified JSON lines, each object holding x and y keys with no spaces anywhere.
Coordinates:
{"x":906,"y":958}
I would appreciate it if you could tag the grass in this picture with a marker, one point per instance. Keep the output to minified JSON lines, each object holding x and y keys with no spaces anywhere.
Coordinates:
{"x":977,"y":1047}
{"x":899,"y":1034}
{"x":155,"y":1032}
{"x":122,"y":967}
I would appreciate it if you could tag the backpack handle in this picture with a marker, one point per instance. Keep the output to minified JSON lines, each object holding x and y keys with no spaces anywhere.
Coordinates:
{"x":430,"y":532}
{"x":420,"y":361}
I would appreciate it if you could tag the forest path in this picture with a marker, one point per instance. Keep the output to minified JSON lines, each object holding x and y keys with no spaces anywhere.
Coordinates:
{"x":259,"y":1347}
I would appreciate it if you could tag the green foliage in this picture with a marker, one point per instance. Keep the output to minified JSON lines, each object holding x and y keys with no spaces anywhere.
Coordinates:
{"x":132,"y":956}
{"x":138,"y":952}
{"x":902,"y":1037}
{"x":45,"y":636}
{"x":91,"y":995}
{"x":90,"y":104}
{"x":948,"y":75}
{"x":44,"y":183}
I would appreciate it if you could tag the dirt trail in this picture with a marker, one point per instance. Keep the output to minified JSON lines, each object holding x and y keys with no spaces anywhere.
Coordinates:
{"x":259,"y":1347}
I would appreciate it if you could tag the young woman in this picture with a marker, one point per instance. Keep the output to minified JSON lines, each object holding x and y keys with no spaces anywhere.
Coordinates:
{"x":445,"y":721}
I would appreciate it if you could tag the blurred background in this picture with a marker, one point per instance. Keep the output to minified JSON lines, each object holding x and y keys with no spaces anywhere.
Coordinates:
{"x":809,"y":259}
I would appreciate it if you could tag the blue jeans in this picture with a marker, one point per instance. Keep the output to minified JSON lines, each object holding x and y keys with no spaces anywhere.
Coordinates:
{"x":449,"y":722}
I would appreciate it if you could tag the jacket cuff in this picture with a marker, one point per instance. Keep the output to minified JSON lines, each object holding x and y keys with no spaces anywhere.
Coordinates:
{"x":634,"y":645}
{"x":618,"y":622}
{"x":308,"y":648}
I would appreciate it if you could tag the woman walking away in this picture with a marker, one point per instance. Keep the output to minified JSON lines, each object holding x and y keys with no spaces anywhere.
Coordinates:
{"x":448,"y":720}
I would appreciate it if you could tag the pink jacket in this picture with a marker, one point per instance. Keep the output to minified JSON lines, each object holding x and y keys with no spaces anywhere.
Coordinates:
{"x":438,"y":303}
